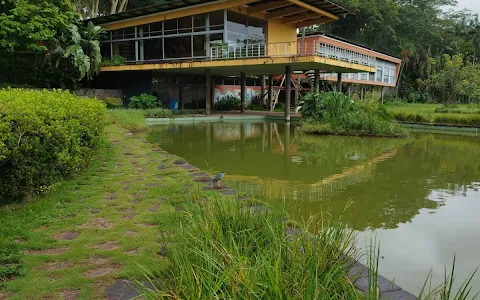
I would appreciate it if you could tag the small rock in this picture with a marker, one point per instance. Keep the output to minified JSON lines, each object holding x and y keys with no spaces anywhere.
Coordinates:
{"x":70,"y":295}
{"x":131,"y":233}
{"x":154,"y":208}
{"x":67,"y":236}
{"x":107,"y":246}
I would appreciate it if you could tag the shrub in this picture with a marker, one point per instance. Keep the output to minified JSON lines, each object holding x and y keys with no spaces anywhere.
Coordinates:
{"x":143,"y":101}
{"x":130,"y":119}
{"x":157,"y":112}
{"x":113,"y":103}
{"x":117,"y":60}
{"x":228,"y":102}
{"x":336,"y":113}
{"x":45,"y":136}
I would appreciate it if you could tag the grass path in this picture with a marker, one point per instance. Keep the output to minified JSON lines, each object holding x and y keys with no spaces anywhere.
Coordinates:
{"x":88,"y":234}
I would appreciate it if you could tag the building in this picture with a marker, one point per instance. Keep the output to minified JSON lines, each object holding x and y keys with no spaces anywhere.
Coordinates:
{"x":184,"y":48}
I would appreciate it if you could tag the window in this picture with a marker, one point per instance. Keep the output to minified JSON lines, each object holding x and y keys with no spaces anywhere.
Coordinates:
{"x":170,"y":27}
{"x":153,"y":49}
{"x":217,"y":20}
{"x":363,"y":76}
{"x":199,"y":45}
{"x":185,"y":25}
{"x":379,"y":73}
{"x":256,"y":30}
{"x":392,"y":76}
{"x":125,"y":49}
{"x":178,"y":47}
{"x":237,"y":23}
{"x":105,"y":50}
{"x":199,"y":22}
{"x":156,"y":29}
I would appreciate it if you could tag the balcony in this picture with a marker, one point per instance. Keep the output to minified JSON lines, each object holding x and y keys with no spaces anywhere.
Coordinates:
{"x":291,"y":49}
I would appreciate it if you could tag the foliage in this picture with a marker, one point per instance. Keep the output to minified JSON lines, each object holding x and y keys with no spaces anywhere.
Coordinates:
{"x":81,"y":47}
{"x":227,"y":250}
{"x":336,"y":113}
{"x":459,"y":109}
{"x":159,"y":112}
{"x":143,"y":101}
{"x":113,"y":103}
{"x":45,"y":136}
{"x":33,"y":25}
{"x":228,"y":102}
{"x":117,"y":60}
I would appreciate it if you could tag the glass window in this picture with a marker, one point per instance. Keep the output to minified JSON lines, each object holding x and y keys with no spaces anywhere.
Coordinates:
{"x":199,"y":46}
{"x":125,"y":49}
{"x":217,"y":20}
{"x":143,"y":31}
{"x":237,"y":23}
{"x":236,"y":38}
{"x":199,"y":22}
{"x":371,"y":76}
{"x":153,"y":49}
{"x":117,"y":34}
{"x":256,"y":28}
{"x":178,"y":47}
{"x":216,"y":38}
{"x":156,"y":29}
{"x":129,"y":33}
{"x":170,"y":27}
{"x":185,"y":25}
{"x":379,"y":73}
{"x":105,"y":50}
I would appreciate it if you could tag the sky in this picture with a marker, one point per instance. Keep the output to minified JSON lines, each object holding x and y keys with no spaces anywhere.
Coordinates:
{"x":473,"y":5}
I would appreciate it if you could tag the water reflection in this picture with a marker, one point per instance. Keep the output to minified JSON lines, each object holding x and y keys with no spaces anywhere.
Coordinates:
{"x":389,"y":180}
{"x":397,"y":186}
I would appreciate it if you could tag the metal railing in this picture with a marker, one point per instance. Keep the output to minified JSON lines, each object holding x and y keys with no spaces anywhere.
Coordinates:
{"x":290,"y":49}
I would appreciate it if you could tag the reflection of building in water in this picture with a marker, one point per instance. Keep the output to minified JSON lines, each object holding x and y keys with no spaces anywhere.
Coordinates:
{"x":331,"y":185}
{"x":233,"y":131}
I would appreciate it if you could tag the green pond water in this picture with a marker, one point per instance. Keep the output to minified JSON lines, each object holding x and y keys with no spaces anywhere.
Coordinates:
{"x":420,"y":197}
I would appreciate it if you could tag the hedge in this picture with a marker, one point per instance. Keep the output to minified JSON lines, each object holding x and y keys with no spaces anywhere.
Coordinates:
{"x":45,"y":136}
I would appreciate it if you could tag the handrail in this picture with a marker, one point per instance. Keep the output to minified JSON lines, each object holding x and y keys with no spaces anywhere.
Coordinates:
{"x":290,"y":49}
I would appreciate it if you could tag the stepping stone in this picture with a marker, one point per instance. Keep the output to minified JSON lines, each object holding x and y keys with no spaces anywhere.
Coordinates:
{"x":94,"y":211}
{"x":110,"y":196}
{"x":139,"y":179}
{"x":162,"y":167}
{"x":131,"y":233}
{"x":55,"y":265}
{"x":132,"y":252}
{"x":20,"y":240}
{"x":103,"y":271}
{"x":127,"y":209}
{"x":134,"y":162}
{"x":164,"y":198}
{"x":126,"y":188}
{"x":67,"y":236}
{"x":135,"y":201}
{"x":138,"y":196}
{"x":179,"y":162}
{"x":107,"y":246}
{"x":125,"y":290}
{"x":154,"y":208}
{"x":112,"y":204}
{"x":101,"y":223}
{"x":99,"y":261}
{"x":52,"y":251}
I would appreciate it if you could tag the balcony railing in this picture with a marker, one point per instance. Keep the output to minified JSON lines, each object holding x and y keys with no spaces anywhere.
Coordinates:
{"x":290,"y":49}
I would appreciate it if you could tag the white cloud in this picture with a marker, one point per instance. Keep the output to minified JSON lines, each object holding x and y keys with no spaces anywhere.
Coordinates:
{"x":473,"y":5}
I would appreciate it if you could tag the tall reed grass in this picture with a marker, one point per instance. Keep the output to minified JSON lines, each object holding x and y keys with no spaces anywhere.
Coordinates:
{"x":130,"y":119}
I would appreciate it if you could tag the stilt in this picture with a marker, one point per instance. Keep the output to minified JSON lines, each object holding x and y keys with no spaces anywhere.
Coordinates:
{"x":208,"y":89}
{"x":242,"y":91}
{"x":270,"y":92}
{"x":288,"y":91}
{"x":262,"y":90}
{"x":317,"y":81}
{"x":339,"y":81}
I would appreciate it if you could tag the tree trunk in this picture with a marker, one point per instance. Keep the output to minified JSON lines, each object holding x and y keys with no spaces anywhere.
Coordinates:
{"x":113,"y":7}
{"x":123,"y":6}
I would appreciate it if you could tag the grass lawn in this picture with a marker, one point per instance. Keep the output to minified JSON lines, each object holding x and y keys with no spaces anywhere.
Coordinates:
{"x":94,"y":229}
{"x":425,"y":113}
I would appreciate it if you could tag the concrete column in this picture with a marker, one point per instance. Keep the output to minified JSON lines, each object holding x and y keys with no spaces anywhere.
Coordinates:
{"x":141,"y":44}
{"x":262,"y":89}
{"x":242,"y":90}
{"x":208,"y":89}
{"x":361,"y":92}
{"x":339,"y":81}
{"x":317,"y":81}
{"x":270,"y":91}
{"x":288,"y":91}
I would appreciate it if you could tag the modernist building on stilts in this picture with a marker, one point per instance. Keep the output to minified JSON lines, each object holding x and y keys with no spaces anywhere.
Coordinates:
{"x":198,"y":51}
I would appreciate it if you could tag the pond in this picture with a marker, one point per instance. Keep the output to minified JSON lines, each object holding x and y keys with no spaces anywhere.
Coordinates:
{"x":420,"y":197}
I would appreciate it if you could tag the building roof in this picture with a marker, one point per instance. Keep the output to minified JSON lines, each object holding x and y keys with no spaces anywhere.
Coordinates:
{"x":325,"y":5}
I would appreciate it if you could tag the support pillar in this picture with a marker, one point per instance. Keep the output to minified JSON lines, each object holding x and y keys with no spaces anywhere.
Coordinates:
{"x":317,"y":81}
{"x":288,"y":91}
{"x":208,"y":89}
{"x":262,"y":89}
{"x":141,"y":46}
{"x":361,"y":92}
{"x":339,"y":82}
{"x":242,"y":91}
{"x":270,"y":91}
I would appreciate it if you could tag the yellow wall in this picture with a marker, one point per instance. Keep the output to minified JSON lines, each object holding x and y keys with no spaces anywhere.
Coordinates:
{"x":282,"y":33}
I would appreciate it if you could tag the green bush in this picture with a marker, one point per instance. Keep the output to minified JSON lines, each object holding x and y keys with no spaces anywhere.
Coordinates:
{"x":336,"y":113}
{"x":113,"y":103}
{"x":143,"y":101}
{"x":228,"y":102}
{"x":45,"y":136}
{"x":117,"y":60}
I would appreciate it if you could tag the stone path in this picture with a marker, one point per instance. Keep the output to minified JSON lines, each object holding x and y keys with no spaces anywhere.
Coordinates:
{"x":95,"y":250}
